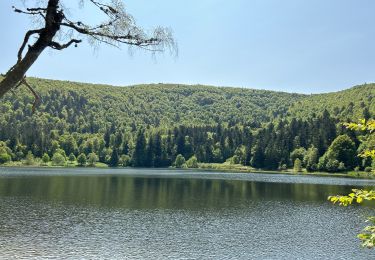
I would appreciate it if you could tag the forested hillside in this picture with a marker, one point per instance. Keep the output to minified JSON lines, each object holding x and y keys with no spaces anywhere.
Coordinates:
{"x":154,"y":105}
{"x":353,"y":103}
{"x":150,"y":125}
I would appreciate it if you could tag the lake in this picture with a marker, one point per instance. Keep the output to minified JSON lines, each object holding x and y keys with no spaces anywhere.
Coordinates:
{"x":159,"y":214}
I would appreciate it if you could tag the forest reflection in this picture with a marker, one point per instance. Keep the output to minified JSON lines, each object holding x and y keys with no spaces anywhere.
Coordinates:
{"x":150,"y":192}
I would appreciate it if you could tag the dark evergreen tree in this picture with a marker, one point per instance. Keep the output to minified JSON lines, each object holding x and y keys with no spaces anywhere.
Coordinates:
{"x":139,"y":155}
{"x":150,"y":152}
{"x":158,"y":160}
{"x":180,"y":143}
{"x":107,"y":138}
{"x":113,"y":162}
{"x":247,"y":155}
{"x":257,"y":161}
{"x":366,"y":113}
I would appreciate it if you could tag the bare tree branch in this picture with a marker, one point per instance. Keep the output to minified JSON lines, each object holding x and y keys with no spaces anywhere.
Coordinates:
{"x":25,"y":41}
{"x":37,"y":99}
{"x":129,"y":39}
{"x":37,"y":9}
{"x":107,"y":9}
{"x":58,"y":46}
{"x":31,"y":11}
{"x":119,"y":29}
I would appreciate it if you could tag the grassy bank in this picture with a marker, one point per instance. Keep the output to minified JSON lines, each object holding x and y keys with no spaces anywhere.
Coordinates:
{"x":38,"y":163}
{"x":241,"y":168}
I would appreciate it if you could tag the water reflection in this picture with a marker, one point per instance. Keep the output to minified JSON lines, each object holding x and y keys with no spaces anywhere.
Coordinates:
{"x":148,"y":192}
{"x":111,"y":214}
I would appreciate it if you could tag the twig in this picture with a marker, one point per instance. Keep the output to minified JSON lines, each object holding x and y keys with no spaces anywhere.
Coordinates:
{"x":37,"y":100}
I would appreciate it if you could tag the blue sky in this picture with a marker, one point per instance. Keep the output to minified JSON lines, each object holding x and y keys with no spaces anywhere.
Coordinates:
{"x":287,"y":45}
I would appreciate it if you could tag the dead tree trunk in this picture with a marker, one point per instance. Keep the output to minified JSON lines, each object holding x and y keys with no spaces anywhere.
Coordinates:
{"x":119,"y":29}
{"x":17,"y":73}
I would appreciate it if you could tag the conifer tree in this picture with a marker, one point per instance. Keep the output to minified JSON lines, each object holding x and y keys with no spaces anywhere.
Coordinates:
{"x":113,"y":162}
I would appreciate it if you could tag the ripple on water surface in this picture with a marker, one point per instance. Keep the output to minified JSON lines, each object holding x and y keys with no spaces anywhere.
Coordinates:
{"x":139,"y":216}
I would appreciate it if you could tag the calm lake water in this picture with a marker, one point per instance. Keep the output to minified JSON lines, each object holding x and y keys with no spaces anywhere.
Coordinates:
{"x":159,"y":214}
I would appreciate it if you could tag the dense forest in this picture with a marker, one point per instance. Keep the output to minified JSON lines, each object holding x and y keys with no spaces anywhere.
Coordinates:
{"x":161,"y":125}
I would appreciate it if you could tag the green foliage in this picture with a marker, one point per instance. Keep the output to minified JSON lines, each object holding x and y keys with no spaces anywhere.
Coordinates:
{"x":152,"y":124}
{"x":19,"y":152}
{"x":113,"y":162}
{"x":332,"y":165}
{"x":45,"y":158}
{"x":310,"y":159}
{"x":139,"y":154}
{"x":340,"y":155}
{"x":240,"y":154}
{"x":180,"y":161}
{"x":30,"y":160}
{"x":4,"y":157}
{"x":81,"y":159}
{"x":323,"y":161}
{"x":358,"y":196}
{"x":283,"y":167}
{"x":341,"y":167}
{"x":364,"y":125}
{"x":345,"y":104}
{"x":68,"y":144}
{"x":343,"y":150}
{"x":297,"y":165}
{"x":192,"y":162}
{"x":368,"y":142}
{"x":72,"y":157}
{"x":257,"y":161}
{"x":125,"y":160}
{"x":92,"y":159}
{"x":75,"y":105}
{"x":58,"y":159}
{"x":368,"y":235}
{"x":298,"y":153}
{"x":235,"y":159}
{"x":61,"y":151}
{"x":5,"y":153}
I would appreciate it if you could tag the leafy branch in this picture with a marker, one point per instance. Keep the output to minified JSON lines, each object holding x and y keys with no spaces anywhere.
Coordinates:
{"x":359,"y":196}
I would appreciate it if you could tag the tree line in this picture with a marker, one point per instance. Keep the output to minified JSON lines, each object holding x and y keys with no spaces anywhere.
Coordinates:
{"x":318,"y":143}
{"x":171,"y":125}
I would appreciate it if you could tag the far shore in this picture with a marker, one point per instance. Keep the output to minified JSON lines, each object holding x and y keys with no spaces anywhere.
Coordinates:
{"x":211,"y":167}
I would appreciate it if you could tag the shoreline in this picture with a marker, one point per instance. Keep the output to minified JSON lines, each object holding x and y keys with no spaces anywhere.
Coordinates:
{"x":234,"y":169}
{"x":317,"y":174}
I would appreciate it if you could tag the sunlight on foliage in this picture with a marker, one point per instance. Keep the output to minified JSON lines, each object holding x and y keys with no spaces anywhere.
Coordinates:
{"x":362,"y":125}
{"x":359,"y":196}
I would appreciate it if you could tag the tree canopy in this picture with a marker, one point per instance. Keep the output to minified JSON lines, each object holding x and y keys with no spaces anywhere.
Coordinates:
{"x":149,"y":125}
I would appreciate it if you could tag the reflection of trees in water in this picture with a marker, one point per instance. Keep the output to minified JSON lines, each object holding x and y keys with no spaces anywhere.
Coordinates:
{"x":138,"y":192}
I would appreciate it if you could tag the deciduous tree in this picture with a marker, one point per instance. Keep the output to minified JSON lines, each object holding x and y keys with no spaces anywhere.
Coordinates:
{"x":81,"y":159}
